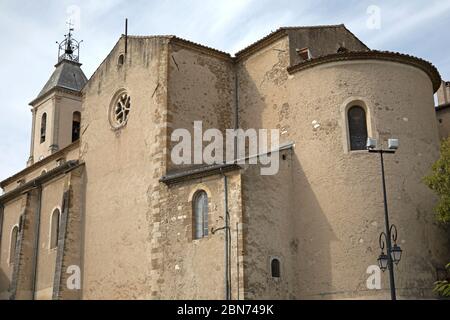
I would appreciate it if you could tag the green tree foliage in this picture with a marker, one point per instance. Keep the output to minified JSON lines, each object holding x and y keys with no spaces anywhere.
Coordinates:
{"x":439,"y":182}
{"x":443,"y":287}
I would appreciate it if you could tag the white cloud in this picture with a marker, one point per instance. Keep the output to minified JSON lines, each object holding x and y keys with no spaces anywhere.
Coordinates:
{"x":29,"y":29}
{"x":400,"y":23}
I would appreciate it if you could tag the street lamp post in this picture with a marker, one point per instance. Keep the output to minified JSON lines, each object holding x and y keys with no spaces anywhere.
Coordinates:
{"x":386,"y":261}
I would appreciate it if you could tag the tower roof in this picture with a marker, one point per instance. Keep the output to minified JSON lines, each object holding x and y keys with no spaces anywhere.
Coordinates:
{"x":67,"y":75}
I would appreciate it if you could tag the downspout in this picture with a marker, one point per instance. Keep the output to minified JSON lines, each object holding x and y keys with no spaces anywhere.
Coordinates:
{"x":236,"y":125}
{"x":237,"y":259}
{"x":126,"y":36}
{"x":227,"y":241}
{"x":37,"y":226}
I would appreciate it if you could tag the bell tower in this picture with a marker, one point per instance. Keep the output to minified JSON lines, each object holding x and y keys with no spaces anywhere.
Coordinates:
{"x":57,"y":108}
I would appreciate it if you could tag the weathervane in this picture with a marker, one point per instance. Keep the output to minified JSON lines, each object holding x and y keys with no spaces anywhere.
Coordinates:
{"x":69,"y":48}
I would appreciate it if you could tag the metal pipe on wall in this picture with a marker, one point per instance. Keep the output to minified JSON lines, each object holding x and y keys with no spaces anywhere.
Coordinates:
{"x":227,"y":241}
{"x":37,"y":226}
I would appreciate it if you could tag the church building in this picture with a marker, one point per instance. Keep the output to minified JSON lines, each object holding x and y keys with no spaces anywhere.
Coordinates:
{"x":102,"y":212}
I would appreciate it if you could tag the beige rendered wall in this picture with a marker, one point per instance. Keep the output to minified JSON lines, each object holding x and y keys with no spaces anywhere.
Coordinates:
{"x":41,"y":150}
{"x":194,"y":269}
{"x":338,"y":199}
{"x":269,"y":213}
{"x":122,"y":168}
{"x":67,"y":105}
{"x":443,"y":94}
{"x":11,"y":217}
{"x":201,"y":88}
{"x":59,"y":107}
{"x":71,"y":152}
{"x":322,"y":41}
{"x":443,"y":117}
{"x":52,"y":193}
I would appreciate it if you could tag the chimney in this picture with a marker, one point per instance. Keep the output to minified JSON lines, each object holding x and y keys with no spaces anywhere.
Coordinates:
{"x":443,"y":94}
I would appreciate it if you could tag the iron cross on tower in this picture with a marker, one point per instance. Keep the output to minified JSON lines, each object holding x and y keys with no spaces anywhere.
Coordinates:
{"x":69,"y":48}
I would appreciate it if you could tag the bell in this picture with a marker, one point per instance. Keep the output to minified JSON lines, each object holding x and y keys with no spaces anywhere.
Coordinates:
{"x":69,"y":49}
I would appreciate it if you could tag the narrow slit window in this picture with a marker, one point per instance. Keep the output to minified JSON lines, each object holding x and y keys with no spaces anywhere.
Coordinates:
{"x":43,"y":127}
{"x":275,"y":268}
{"x":357,"y":126}
{"x":54,"y":228}
{"x":76,"y":122}
{"x":200,"y":209}
{"x":13,"y":244}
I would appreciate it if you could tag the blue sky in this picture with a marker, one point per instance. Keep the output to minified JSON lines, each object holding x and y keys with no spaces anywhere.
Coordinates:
{"x":29,"y":29}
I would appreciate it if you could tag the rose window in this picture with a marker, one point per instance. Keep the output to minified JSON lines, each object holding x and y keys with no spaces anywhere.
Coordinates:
{"x":120,"y":110}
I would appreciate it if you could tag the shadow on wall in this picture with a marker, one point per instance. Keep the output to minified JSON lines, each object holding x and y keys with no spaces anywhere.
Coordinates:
{"x":314,"y":234}
{"x":4,"y":286}
{"x":286,"y":205}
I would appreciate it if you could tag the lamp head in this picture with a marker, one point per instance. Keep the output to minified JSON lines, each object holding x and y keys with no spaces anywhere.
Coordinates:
{"x":383,"y":261}
{"x":371,"y":143}
{"x":393,"y":144}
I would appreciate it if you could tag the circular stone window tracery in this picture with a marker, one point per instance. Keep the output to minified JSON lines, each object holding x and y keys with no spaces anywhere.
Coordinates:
{"x":120,"y":110}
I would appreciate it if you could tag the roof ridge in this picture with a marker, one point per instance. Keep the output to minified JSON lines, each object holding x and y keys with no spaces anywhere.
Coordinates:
{"x":278,"y":32}
{"x":240,"y":52}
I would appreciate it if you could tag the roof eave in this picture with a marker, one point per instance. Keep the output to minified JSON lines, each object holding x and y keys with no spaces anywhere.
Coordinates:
{"x":52,"y":90}
{"x":422,"y":64}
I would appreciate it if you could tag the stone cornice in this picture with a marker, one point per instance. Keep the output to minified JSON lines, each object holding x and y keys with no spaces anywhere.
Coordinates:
{"x":39,"y":164}
{"x":199,"y":172}
{"x":424,"y":65}
{"x":55,"y":89}
{"x":58,"y":171}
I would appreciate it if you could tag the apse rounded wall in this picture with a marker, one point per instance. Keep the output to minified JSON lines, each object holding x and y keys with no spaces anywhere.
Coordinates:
{"x":338,"y":191}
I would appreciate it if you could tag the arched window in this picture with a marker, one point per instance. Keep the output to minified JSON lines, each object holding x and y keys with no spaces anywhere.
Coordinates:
{"x":76,"y":121}
{"x":54,"y":228}
{"x":200,"y":215}
{"x":13,"y":244}
{"x":121,"y":60}
{"x":275,"y":268}
{"x":357,"y":127}
{"x":43,"y":126}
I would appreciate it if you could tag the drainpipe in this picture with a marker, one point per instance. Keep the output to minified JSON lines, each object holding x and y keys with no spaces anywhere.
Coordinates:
{"x":126,"y":36}
{"x":37,"y":226}
{"x":227,"y":241}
